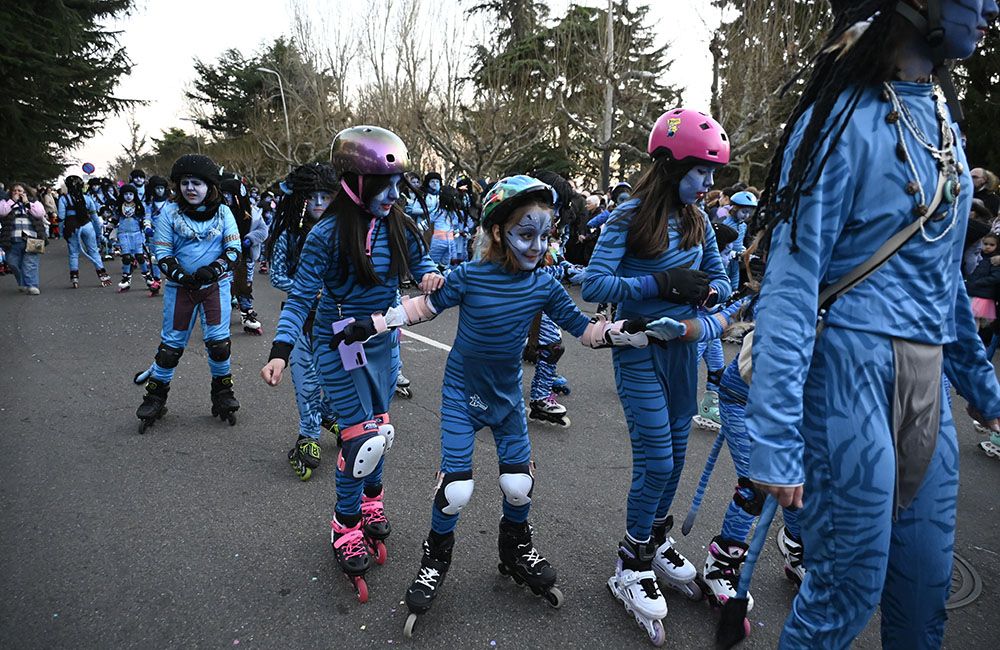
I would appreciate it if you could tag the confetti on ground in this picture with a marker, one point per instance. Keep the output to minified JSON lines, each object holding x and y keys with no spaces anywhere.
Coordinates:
{"x":236,"y":641}
{"x":363,"y":626}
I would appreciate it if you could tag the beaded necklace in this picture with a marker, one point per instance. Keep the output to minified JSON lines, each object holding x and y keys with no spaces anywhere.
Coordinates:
{"x":945,"y":158}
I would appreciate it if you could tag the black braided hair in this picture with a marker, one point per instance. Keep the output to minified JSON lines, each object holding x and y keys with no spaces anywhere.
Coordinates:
{"x":868,"y":62}
{"x":291,"y":213}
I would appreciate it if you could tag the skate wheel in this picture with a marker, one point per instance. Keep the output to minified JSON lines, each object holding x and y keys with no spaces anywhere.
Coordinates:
{"x":381,"y":554}
{"x":696,"y":589}
{"x":791,"y":575}
{"x":746,"y":626}
{"x":502,"y":569}
{"x":361,"y":587}
{"x":142,"y":427}
{"x":565,"y":423}
{"x":411,"y":620}
{"x":231,"y":419}
{"x":658,"y":635}
{"x":554,"y":597}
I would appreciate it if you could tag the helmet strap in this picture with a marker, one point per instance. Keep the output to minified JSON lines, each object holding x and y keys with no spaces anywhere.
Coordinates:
{"x":355,"y":197}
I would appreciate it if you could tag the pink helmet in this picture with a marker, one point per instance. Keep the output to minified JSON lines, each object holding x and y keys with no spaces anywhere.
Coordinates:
{"x":686,"y":133}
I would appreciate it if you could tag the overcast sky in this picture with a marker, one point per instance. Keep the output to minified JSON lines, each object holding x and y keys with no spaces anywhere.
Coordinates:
{"x":163,"y":37}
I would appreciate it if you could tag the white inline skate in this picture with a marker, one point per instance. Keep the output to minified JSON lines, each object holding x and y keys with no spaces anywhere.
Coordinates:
{"x":722,"y":570}
{"x":793,"y":554}
{"x":673,"y":569}
{"x":634,"y":584}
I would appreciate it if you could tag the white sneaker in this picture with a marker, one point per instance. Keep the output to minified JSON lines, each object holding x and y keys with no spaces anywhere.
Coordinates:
{"x":33,"y":291}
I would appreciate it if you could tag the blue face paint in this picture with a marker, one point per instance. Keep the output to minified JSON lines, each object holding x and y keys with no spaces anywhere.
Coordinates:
{"x":381,"y":204}
{"x":160,"y":191}
{"x":318,"y":202}
{"x":742,"y":214}
{"x":434,"y":186}
{"x":528,"y":237}
{"x":965,"y":23}
{"x":139,"y":181}
{"x":622,"y":197}
{"x":194,"y":190}
{"x":695,"y":184}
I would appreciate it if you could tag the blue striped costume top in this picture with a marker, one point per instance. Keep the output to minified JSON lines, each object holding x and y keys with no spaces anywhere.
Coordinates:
{"x":616,"y":276}
{"x":278,"y":272}
{"x":195,"y":243}
{"x":319,"y":270}
{"x":496,"y":308}
{"x":918,"y":295}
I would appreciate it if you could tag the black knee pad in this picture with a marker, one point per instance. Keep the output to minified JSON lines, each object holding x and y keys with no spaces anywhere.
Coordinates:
{"x":517,"y":482}
{"x":453,"y":491}
{"x":139,"y":258}
{"x":167,"y":356}
{"x":755,"y":503}
{"x":127,"y":258}
{"x":551,"y":352}
{"x":714,"y":376}
{"x":218,"y":350}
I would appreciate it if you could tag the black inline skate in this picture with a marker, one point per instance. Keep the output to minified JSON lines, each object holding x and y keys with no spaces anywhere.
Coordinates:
{"x":250,"y":323}
{"x":102,"y":275}
{"x":126,"y":283}
{"x":224,"y":403}
{"x":433,"y":568}
{"x":403,"y":386}
{"x":548,"y":411}
{"x":351,"y":550}
{"x":74,"y":279}
{"x":304,"y":457}
{"x":521,"y":561}
{"x":154,"y":404}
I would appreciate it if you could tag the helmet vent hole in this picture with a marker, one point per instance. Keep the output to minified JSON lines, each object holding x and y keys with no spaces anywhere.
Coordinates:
{"x":389,"y":157}
{"x":724,"y":137}
{"x":714,"y":154}
{"x":704,"y":126}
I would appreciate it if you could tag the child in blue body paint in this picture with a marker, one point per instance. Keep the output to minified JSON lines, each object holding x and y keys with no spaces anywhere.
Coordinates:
{"x":356,"y":256}
{"x":157,"y":197}
{"x":851,"y":422}
{"x":197,"y":244}
{"x":128,"y":217}
{"x":310,"y":191}
{"x":657,"y":256}
{"x":499,"y":294}
{"x":82,"y":229}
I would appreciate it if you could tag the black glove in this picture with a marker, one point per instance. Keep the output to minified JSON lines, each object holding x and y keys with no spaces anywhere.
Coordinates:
{"x":172,"y":269}
{"x":682,"y":286}
{"x":210,"y":273}
{"x":361,"y":329}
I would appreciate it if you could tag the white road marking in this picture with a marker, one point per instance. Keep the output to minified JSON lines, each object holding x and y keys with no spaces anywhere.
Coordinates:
{"x":424,"y":339}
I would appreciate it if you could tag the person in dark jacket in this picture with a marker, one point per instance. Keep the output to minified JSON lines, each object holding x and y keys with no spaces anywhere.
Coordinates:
{"x":982,"y":287}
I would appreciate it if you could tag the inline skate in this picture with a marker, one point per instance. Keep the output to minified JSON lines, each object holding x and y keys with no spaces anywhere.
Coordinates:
{"x":521,"y":561}
{"x":548,"y":411}
{"x":102,"y":275}
{"x":791,"y":550}
{"x":74,"y":279}
{"x":992,"y":446}
{"x":154,"y":404}
{"x":152,"y":284}
{"x":634,"y":584}
{"x":673,"y":569}
{"x":250,"y":323}
{"x":224,"y":403}
{"x":126,"y":283}
{"x":304,"y":457}
{"x":560,"y":386}
{"x":708,"y":412}
{"x":375,"y":524}
{"x":434,"y":566}
{"x":351,"y":551}
{"x":403,"y":386}
{"x":722,"y":570}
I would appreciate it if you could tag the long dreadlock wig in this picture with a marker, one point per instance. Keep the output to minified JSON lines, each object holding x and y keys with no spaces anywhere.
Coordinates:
{"x":859,"y":53}
{"x":292,"y":215}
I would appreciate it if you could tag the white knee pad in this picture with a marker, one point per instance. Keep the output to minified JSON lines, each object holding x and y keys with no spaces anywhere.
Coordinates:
{"x":386,"y":429}
{"x":454,"y":491}
{"x":360,"y":454}
{"x":516,"y":483}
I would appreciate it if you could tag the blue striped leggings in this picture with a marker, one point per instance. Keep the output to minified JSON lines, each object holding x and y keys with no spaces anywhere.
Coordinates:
{"x":312,"y":403}
{"x":657,"y":387}
{"x":545,"y":370}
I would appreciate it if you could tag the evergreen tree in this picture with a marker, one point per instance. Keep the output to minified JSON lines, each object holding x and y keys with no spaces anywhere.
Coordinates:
{"x":979,"y":80}
{"x":60,"y":67}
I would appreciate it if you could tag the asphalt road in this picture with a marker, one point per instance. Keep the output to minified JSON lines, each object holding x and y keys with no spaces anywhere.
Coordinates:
{"x":198,"y":534}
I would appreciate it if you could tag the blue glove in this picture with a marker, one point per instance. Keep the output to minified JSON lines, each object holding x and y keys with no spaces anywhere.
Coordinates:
{"x":666,"y":328}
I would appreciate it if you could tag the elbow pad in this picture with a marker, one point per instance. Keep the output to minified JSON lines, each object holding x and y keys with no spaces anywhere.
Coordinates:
{"x":602,"y":334}
{"x":410,"y":312}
